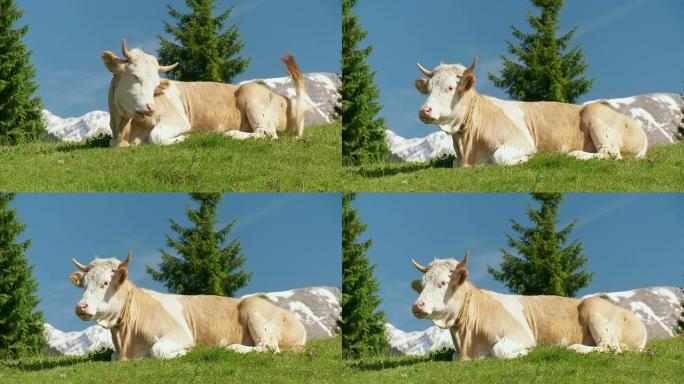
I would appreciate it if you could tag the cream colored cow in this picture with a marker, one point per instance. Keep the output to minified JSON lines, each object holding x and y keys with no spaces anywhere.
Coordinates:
{"x":489,"y":324}
{"x":147,"y":323}
{"x":144,"y":108}
{"x":489,"y":130}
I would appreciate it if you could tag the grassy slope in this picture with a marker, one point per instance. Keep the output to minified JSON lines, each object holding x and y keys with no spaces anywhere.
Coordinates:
{"x":661,"y":170}
{"x":202,"y":163}
{"x":319,"y":364}
{"x":661,"y":363}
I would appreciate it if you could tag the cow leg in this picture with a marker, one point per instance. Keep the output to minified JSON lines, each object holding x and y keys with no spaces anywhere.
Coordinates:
{"x":508,"y":349}
{"x":505,"y":155}
{"x":167,"y":349}
{"x":166,"y":135}
{"x":606,"y":335}
{"x":605,"y":141}
{"x":266,"y":336}
{"x":261,"y":118}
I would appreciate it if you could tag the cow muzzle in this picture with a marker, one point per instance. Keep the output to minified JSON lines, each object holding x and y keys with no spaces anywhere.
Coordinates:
{"x":148,"y":111}
{"x":82,"y":312}
{"x":418,"y":309}
{"x":425,"y":115}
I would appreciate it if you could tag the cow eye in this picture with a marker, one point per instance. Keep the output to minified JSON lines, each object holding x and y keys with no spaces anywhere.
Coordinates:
{"x":451,"y":88}
{"x":106,"y":283}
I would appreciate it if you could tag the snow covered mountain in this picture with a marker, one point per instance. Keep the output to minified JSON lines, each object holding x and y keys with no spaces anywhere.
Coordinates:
{"x":658,"y":113}
{"x":657,"y":307}
{"x":318,"y":308}
{"x":323,"y":90}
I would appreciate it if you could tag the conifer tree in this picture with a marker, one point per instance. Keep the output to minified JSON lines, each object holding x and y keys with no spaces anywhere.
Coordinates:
{"x":21,"y":325}
{"x":363,"y":133}
{"x":204,"y":48}
{"x":204,"y":264}
{"x":543,"y":266}
{"x":543,"y":71}
{"x":362,"y":324}
{"x":21,"y":119}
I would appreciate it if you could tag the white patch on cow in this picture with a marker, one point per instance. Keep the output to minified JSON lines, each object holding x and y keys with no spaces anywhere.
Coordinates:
{"x":507,"y":349}
{"x":580,"y":348}
{"x":166,"y":349}
{"x":513,"y":306}
{"x":513,"y":110}
{"x":505,"y":155}
{"x":175,"y":309}
{"x":163,"y":134}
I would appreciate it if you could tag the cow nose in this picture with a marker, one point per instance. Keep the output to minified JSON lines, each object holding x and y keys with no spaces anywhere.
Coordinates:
{"x":82,"y":306}
{"x":426,"y":109}
{"x":150,"y":107}
{"x":425,"y":112}
{"x":418,"y":307}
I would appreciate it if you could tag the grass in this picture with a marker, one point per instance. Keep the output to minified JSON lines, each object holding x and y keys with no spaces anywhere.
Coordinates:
{"x":661,"y":170}
{"x":204,"y":163}
{"x":660,"y":363}
{"x":320,"y":363}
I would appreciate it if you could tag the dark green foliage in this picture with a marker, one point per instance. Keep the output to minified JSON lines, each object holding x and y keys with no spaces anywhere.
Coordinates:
{"x":21,"y":119}
{"x":542,"y":71}
{"x":363,"y":133}
{"x":204,"y":266}
{"x":680,"y":128}
{"x":544,"y":267}
{"x":205,"y":49}
{"x":21,"y":325}
{"x":362,"y":325}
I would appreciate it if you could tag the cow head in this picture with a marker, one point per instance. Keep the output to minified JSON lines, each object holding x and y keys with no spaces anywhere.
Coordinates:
{"x":445,"y":86}
{"x":138,"y":80}
{"x":102,"y":280}
{"x":441,"y":281}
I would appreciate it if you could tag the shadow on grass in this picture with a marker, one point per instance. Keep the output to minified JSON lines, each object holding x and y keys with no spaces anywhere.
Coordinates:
{"x":379,"y":364}
{"x":40,"y":363}
{"x":99,"y":141}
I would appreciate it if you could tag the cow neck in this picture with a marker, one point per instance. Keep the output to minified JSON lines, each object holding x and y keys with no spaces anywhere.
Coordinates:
{"x":463,"y":312}
{"x":125,"y":311}
{"x":467,"y":119}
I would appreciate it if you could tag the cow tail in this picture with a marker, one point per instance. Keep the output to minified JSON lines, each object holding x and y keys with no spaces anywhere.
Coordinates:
{"x":301,"y":99}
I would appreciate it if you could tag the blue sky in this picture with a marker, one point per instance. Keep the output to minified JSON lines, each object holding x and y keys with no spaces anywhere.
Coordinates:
{"x":632,"y":46}
{"x":631,"y":240}
{"x":68,"y":36}
{"x":290,"y":240}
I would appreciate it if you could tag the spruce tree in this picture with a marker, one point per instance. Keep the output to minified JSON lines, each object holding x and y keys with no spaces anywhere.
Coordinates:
{"x":204,"y":48}
{"x":362,"y":324}
{"x":543,"y":71}
{"x":544,"y":266}
{"x":363,"y":133}
{"x":205,"y":264}
{"x":21,"y":119}
{"x":21,"y":325}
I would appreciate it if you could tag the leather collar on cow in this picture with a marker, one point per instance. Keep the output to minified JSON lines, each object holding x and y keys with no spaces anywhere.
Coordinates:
{"x":123,"y":318}
{"x":460,"y":319}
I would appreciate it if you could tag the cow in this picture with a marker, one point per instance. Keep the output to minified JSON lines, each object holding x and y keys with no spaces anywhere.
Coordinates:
{"x":488,"y":324}
{"x":485,"y":129}
{"x":145,"y":323}
{"x":147,"y":109}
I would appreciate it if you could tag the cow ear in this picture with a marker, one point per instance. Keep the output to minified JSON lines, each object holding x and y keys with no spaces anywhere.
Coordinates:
{"x":76,"y":279}
{"x":161,"y":88}
{"x":113,"y":63}
{"x":417,"y":286}
{"x":468,"y":82}
{"x":459,"y":277}
{"x":120,"y":276}
{"x":421,"y":85}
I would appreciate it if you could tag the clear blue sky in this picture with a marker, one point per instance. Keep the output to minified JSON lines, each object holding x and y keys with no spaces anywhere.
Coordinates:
{"x":68,"y":36}
{"x":631,"y":240}
{"x":632,"y":46}
{"x":289,"y":240}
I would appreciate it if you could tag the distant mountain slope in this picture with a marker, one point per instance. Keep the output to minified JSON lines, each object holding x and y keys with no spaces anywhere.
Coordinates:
{"x":318,"y":308}
{"x":658,"y":113}
{"x":657,"y":307}
{"x":323,"y":90}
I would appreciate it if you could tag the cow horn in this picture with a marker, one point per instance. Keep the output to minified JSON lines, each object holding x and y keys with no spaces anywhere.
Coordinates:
{"x":124,"y":50}
{"x":124,"y":264}
{"x":418,"y":266}
{"x":425,"y":71}
{"x":166,"y":68}
{"x":463,"y":263}
{"x":80,"y":266}
{"x":472,"y":67}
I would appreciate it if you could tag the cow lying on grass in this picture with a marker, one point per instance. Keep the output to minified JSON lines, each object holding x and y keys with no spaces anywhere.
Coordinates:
{"x":148,"y":323}
{"x":489,"y":130}
{"x":144,"y":108}
{"x":484,"y":323}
